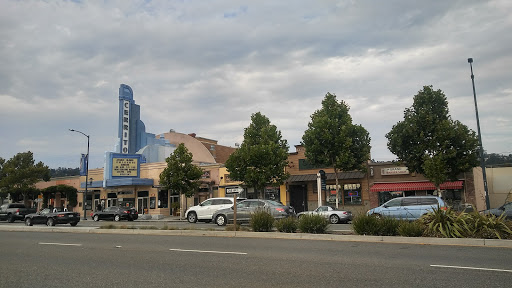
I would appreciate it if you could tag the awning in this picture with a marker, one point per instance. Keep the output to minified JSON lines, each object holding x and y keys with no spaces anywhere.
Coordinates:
{"x":414,"y":186}
{"x":330,"y":176}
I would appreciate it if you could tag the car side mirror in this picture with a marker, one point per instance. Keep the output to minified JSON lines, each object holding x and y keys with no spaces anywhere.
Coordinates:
{"x":385,"y":206}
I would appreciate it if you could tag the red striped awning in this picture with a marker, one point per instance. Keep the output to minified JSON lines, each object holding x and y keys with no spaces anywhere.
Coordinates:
{"x":414,"y":186}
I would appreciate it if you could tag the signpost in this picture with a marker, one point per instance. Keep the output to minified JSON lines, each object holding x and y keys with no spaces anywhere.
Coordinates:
{"x":234,"y":190}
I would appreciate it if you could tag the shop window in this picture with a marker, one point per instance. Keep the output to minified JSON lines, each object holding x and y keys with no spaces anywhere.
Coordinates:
{"x":352,"y":193}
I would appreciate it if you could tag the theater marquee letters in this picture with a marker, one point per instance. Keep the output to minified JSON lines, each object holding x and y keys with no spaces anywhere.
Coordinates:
{"x":124,"y":167}
{"x":125,"y":139}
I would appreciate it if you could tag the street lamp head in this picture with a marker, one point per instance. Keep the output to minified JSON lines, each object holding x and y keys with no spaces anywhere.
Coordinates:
{"x":72,"y":130}
{"x":470,"y":60}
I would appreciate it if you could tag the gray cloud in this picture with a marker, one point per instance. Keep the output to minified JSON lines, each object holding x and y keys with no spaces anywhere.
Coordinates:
{"x":205,"y":67}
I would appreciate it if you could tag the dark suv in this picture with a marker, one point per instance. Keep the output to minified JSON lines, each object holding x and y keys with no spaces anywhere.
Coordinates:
{"x":116,"y":214}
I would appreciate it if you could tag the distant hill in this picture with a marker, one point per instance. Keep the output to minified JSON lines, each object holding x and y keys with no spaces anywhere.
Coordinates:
{"x":63,"y":172}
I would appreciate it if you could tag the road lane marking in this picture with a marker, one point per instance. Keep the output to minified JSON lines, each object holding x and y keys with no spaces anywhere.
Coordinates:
{"x":59,"y":244}
{"x":471,"y":268}
{"x":205,"y":251}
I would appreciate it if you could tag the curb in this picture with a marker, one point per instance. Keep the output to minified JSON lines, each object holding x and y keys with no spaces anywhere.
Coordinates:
{"x":275,"y":235}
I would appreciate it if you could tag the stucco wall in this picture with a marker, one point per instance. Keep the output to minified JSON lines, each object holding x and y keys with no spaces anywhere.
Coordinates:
{"x":499,"y":184}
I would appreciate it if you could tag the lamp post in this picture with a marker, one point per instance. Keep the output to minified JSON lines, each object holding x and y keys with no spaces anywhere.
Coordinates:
{"x":86,"y":171}
{"x":482,"y":160}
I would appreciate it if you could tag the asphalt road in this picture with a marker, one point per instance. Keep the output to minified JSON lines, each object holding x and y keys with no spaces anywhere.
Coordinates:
{"x":39,"y":259}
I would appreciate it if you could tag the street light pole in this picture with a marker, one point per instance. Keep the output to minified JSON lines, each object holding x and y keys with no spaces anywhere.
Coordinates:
{"x":482,"y":160}
{"x":86,"y":171}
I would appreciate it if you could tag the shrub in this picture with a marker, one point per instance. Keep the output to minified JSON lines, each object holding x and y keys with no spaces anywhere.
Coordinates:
{"x":445,"y":223}
{"x":388,"y":226}
{"x":487,"y":226}
{"x":261,"y":221}
{"x":411,"y":229}
{"x":366,"y":224}
{"x":315,"y":224}
{"x":287,"y":225}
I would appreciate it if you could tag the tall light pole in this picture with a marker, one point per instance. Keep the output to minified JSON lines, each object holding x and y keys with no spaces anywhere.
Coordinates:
{"x":482,"y":160}
{"x":86,"y":171}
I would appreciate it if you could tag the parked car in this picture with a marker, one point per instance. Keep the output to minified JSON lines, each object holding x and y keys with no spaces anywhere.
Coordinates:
{"x":408,"y":208}
{"x":116,"y":213}
{"x":245,"y":208}
{"x":505,"y":209}
{"x":332,"y":214}
{"x":14,"y":211}
{"x":46,"y":216}
{"x":205,"y":210}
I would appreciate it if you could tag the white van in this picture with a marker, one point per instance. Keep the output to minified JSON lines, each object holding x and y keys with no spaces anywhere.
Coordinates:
{"x":205,"y":210}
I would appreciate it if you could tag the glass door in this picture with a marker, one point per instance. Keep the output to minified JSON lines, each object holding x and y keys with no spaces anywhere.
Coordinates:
{"x":142,"y":205}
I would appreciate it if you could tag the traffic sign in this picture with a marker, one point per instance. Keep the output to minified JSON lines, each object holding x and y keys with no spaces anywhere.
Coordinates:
{"x":234,"y":190}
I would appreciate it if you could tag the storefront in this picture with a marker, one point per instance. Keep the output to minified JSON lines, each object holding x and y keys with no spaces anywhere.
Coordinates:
{"x":450,"y":191}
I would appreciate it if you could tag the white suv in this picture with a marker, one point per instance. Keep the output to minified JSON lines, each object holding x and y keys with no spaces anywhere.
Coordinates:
{"x":205,"y":210}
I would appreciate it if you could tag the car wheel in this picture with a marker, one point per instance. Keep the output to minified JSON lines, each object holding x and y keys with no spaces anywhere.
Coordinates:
{"x":117,"y":218}
{"x":221,"y":220}
{"x":378,"y":216}
{"x":334,"y":219}
{"x":50,"y":222}
{"x":192,"y":217}
{"x":10,"y":218}
{"x":73,"y":224}
{"x":28,"y":222}
{"x":96,"y":218}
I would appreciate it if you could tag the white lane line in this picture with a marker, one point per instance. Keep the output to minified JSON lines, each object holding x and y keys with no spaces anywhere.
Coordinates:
{"x":205,"y":251}
{"x":471,"y":268}
{"x":59,"y":244}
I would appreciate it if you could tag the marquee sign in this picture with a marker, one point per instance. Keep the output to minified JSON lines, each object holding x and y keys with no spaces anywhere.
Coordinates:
{"x":127,"y":167}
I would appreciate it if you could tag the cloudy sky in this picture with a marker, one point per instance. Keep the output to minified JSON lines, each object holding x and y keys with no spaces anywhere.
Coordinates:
{"x":205,"y":66}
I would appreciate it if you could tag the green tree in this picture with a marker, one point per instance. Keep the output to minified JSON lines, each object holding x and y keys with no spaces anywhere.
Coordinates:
{"x":3,"y":192}
{"x":331,"y":139}
{"x":262,"y":156}
{"x":20,"y":175}
{"x":429,"y":142}
{"x":66,"y":191}
{"x":181,"y":175}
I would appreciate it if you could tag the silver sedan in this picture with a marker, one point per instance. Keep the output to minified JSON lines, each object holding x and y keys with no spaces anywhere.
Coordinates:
{"x":334,"y":215}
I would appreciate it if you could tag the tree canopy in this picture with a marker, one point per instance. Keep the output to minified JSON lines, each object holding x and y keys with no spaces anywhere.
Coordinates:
{"x":262,"y":156}
{"x":429,"y":142}
{"x":69,"y":192}
{"x":180,"y":175}
{"x":332,"y":140}
{"x":20,"y":174}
